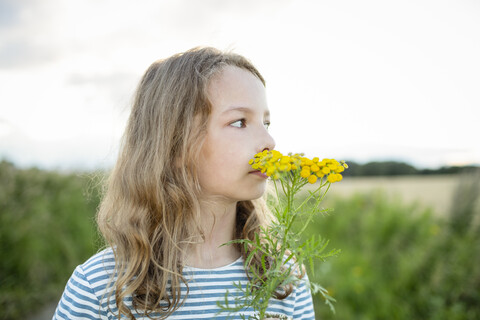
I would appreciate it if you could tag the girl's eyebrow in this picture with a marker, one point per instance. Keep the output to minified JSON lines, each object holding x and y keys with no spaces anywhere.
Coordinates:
{"x":243,"y":109}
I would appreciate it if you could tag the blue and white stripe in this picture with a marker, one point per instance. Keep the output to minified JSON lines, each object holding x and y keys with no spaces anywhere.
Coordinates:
{"x":85,"y":295}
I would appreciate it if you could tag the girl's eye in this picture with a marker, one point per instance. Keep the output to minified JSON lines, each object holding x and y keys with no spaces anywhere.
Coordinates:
{"x":239,"y":123}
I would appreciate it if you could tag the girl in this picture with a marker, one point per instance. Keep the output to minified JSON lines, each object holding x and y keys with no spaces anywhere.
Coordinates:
{"x":181,"y":188}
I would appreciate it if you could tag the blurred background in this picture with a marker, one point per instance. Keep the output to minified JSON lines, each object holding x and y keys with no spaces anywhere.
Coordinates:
{"x":391,"y":87}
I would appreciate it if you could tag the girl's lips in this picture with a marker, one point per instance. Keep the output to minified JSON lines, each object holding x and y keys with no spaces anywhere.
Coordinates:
{"x":258,"y":173}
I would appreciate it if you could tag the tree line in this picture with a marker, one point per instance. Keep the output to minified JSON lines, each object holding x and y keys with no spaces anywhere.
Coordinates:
{"x":396,"y":168}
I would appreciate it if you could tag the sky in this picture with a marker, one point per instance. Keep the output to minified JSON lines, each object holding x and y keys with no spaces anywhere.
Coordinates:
{"x":348,"y":79}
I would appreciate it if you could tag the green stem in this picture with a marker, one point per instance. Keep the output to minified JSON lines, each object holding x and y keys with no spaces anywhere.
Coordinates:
{"x":310,"y":217}
{"x":290,"y":185}
{"x":311,"y":195}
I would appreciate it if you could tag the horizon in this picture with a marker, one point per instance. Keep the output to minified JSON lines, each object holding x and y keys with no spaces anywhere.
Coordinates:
{"x":73,"y":169}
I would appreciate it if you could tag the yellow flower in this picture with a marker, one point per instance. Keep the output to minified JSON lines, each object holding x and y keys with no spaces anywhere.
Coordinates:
{"x":334,"y":177}
{"x":331,"y":178}
{"x":335,"y":162}
{"x":332,"y":166}
{"x":320,"y":174}
{"x":285,"y":160}
{"x":305,"y":173}
{"x":270,"y":171}
{"x":274,"y":164}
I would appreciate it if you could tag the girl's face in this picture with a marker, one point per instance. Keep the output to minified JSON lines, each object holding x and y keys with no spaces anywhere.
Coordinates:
{"x":236,"y":131}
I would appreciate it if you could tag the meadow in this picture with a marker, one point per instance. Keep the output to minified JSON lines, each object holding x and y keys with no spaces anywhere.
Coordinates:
{"x":46,"y":229}
{"x":405,"y":255}
{"x":401,"y":260}
{"x":435,"y":192}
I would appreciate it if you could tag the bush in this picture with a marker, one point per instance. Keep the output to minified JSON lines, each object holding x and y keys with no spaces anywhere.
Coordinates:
{"x":397,"y":263}
{"x":46,"y":229}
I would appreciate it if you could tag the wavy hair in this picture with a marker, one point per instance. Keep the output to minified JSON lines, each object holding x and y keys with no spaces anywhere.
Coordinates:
{"x":150,"y":209}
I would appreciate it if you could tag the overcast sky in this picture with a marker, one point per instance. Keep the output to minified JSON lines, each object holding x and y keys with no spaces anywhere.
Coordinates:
{"x":347,"y":79}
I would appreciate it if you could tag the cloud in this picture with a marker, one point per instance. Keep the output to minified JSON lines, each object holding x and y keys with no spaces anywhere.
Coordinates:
{"x":77,"y":153}
{"x":38,"y":32}
{"x":115,"y":86}
{"x":22,"y":54}
{"x":9,"y":12}
{"x":25,"y":29}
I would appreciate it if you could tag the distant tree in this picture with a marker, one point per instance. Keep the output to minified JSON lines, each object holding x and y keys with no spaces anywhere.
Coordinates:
{"x":396,"y":168}
{"x":450,"y":170}
{"x":376,"y":168}
{"x":353,"y":169}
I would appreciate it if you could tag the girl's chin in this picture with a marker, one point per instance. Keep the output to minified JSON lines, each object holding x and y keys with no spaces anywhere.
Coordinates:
{"x":260,"y":192}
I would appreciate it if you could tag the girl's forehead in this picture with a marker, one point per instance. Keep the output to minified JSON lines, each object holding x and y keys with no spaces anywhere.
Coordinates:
{"x":236,"y":88}
{"x":233,"y":76}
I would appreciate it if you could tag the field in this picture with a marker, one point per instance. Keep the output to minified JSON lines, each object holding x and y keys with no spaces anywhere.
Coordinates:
{"x":435,"y":192}
{"x":409,"y":248}
{"x":406,"y":254}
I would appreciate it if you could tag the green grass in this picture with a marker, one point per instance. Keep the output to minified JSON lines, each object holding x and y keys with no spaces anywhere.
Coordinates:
{"x":397,"y":262}
{"x":46,"y":229}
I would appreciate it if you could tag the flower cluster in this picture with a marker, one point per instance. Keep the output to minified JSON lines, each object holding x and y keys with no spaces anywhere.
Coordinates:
{"x":283,"y":242}
{"x":274,"y":164}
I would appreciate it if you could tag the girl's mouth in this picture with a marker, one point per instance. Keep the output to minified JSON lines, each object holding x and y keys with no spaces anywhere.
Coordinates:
{"x":259,"y":173}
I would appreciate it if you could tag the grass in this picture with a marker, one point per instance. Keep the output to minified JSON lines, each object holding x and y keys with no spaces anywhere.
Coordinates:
{"x":398,"y":260}
{"x":430,"y":191}
{"x":46,"y":229}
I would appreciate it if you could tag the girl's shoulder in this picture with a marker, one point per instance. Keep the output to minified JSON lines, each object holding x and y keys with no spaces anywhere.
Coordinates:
{"x":87,"y":287}
{"x":99,"y":266}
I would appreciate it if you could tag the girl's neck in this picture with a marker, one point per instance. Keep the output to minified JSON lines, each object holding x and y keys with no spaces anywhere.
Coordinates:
{"x":218,"y":224}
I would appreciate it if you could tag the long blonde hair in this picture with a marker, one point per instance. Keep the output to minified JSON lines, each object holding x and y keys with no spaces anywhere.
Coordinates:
{"x":150,"y":208}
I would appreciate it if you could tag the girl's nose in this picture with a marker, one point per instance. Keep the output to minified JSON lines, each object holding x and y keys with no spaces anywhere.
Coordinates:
{"x":268,"y":143}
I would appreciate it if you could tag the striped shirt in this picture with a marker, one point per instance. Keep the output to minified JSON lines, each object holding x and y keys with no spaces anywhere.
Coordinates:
{"x":86,"y":296}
